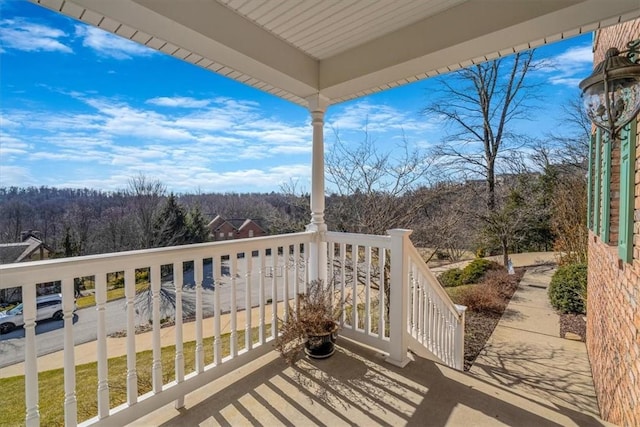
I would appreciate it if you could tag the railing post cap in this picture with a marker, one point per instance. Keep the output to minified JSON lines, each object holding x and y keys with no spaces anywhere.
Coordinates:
{"x":461,"y":308}
{"x":399,"y":232}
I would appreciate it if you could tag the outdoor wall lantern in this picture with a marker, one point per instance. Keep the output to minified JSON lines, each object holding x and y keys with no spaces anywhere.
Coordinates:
{"x":611,"y":94}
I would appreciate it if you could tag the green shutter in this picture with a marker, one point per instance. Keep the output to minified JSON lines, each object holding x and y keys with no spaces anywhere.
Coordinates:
{"x":590,"y":210}
{"x":606,"y":185}
{"x":627,"y":172}
{"x":596,"y":187}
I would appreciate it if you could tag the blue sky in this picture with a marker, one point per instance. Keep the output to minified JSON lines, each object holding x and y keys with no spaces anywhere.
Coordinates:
{"x":83,"y":108}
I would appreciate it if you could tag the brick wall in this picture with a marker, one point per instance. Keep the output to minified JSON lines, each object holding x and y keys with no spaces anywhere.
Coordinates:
{"x":613,"y":306}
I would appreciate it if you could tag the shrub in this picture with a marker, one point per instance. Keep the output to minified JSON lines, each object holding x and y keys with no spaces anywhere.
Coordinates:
{"x":451,"y":278}
{"x":482,"y":298}
{"x":568,"y":289}
{"x":501,"y":281}
{"x":476,"y":269}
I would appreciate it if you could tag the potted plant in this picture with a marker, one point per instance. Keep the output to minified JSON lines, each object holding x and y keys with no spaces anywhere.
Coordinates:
{"x":312,"y":325}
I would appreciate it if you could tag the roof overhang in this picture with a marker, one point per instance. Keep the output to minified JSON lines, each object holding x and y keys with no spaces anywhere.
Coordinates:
{"x":296,"y":49}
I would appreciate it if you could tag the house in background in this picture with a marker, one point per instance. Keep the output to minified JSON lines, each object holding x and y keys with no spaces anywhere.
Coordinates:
{"x":30,"y":248}
{"x":613,"y":304}
{"x":229,"y":229}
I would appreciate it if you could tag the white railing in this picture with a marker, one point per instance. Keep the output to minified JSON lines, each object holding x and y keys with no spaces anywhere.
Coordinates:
{"x":434,"y":321}
{"x":251,"y":276}
{"x":391,"y":302}
{"x":359,"y":272}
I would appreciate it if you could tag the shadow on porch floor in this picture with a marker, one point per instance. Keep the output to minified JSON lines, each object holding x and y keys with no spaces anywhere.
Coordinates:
{"x":356,"y":387}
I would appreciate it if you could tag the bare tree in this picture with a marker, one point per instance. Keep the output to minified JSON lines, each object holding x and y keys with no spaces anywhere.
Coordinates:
{"x":571,"y":146}
{"x":147,"y":195}
{"x":479,"y":104}
{"x":370,"y":185}
{"x":569,"y":218}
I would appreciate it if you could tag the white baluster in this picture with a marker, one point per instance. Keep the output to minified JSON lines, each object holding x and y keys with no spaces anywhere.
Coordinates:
{"x":70,"y":401}
{"x":307,"y":270}
{"x":217,"y":344}
{"x":296,"y":275}
{"x":132,"y":375}
{"x":30,"y":356}
{"x":285,"y":277}
{"x":424,"y":311}
{"x":197,"y":271}
{"x":343,"y":280}
{"x":414,"y":300}
{"x":248,"y":309}
{"x":103,"y":367}
{"x":367,"y":290}
{"x":382,"y":255}
{"x":274,"y":293}
{"x":354,"y":286}
{"x":156,"y":365}
{"x":261,"y":297}
{"x":233,"y":305}
{"x":178,"y":281}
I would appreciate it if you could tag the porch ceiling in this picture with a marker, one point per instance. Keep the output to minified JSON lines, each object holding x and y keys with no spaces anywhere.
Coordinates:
{"x":342,"y":49}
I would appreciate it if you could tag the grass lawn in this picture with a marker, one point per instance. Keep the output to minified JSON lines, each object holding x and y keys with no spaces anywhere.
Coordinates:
{"x":51,"y":383}
{"x":112,"y":294}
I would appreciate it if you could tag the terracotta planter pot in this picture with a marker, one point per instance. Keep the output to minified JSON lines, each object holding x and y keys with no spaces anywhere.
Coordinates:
{"x":321,"y":346}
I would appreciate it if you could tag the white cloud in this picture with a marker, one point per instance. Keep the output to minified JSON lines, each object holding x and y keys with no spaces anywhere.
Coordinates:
{"x":363,"y":115}
{"x":19,"y":34}
{"x":109,"y":45}
{"x":568,"y":67}
{"x":18,"y":176}
{"x":208,"y":149}
{"x":576,"y":55}
{"x":11,"y":148}
{"x":178,"y":101}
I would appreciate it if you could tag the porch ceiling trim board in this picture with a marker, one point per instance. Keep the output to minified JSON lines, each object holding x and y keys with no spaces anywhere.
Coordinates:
{"x":296,"y":49}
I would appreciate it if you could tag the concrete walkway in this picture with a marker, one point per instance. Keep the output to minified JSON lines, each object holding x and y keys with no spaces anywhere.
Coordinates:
{"x":526,"y":355}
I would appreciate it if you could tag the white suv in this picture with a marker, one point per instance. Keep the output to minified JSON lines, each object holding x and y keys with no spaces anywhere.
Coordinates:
{"x":47,"y":306}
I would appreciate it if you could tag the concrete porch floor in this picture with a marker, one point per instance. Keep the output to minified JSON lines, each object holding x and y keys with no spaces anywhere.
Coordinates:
{"x":526,"y":376}
{"x":356,"y":387}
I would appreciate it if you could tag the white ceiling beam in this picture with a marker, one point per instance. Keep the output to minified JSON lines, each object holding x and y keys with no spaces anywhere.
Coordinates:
{"x":213,"y":31}
{"x":480,"y":28}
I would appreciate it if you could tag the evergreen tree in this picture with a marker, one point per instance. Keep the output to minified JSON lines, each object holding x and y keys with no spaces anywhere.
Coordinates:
{"x":170,"y":225}
{"x":196,"y":226}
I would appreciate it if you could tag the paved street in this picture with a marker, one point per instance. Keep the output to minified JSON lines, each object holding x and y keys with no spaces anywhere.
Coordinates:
{"x":50,"y":334}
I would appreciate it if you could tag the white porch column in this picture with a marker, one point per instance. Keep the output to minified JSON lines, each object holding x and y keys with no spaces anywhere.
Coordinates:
{"x":318,"y":249}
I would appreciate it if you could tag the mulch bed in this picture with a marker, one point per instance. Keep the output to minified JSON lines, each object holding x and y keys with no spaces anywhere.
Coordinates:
{"x":575,"y":324}
{"x":479,"y":326}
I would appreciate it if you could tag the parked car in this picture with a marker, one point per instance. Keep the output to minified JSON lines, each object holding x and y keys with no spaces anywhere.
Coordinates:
{"x":47,"y":307}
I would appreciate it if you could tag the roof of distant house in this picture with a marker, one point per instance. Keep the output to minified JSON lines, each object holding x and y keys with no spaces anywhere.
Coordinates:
{"x":18,"y":252}
{"x":237,"y":223}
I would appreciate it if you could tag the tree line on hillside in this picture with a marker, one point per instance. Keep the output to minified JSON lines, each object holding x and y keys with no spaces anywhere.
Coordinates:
{"x":444,"y":216}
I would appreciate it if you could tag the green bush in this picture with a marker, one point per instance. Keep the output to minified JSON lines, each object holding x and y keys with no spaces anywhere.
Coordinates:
{"x":451,"y":278}
{"x":475,"y":270}
{"x":568,"y":289}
